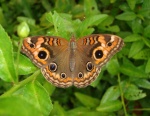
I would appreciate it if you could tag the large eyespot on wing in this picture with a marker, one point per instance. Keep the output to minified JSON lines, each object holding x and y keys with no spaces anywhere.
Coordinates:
{"x":53,"y":76}
{"x":109,"y":46}
{"x":40,"y":49}
{"x":100,"y":47}
{"x":34,"y":49}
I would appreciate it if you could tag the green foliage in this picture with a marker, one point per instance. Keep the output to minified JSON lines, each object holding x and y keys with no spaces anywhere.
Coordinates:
{"x":123,"y":85}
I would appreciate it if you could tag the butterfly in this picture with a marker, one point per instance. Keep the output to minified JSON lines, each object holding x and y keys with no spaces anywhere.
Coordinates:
{"x":71,"y":63}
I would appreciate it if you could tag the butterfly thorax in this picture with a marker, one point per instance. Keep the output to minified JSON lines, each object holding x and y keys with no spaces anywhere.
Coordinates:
{"x":73,"y":47}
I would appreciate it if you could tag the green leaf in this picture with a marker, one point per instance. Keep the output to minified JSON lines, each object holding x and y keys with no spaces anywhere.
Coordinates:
{"x":16,"y":106}
{"x":143,"y":83}
{"x":147,"y":68}
{"x":63,"y":5}
{"x":143,"y":55}
{"x":114,"y":28}
{"x":7,"y":68}
{"x":30,"y":21}
{"x":135,"y":48}
{"x":2,"y":18}
{"x":133,"y":93}
{"x":145,"y":9}
{"x":110,"y":106}
{"x":87,"y":100}
{"x":90,"y":8}
{"x":57,"y":110}
{"x":34,"y":94}
{"x":146,"y":41}
{"x":107,"y":22}
{"x":124,"y":7}
{"x":126,"y":16}
{"x":147,"y":31}
{"x":129,"y":69}
{"x":82,"y":111}
{"x":90,"y":21}
{"x":111,"y":94}
{"x":26,"y":66}
{"x":146,"y":4}
{"x":113,"y":66}
{"x":131,"y":3}
{"x":79,"y":110}
{"x":132,"y":38}
{"x":49,"y":87}
{"x":61,"y":24}
{"x":138,"y":28}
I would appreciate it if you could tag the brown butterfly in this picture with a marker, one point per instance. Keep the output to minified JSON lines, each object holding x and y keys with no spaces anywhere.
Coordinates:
{"x":70,"y":63}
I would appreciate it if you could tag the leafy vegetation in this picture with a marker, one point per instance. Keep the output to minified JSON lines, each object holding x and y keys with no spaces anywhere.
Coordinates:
{"x":122,"y":88}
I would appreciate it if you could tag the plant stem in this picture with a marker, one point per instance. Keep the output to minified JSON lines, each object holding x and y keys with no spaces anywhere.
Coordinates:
{"x":17,"y":61}
{"x":20,"y":84}
{"x":122,"y":98}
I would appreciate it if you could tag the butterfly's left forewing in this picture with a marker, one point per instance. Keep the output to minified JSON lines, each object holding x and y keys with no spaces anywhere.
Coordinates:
{"x":50,"y":53}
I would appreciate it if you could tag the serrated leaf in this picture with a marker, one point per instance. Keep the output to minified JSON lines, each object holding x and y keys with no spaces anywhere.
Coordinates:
{"x":61,"y":24}
{"x":110,"y":106}
{"x":35,"y":94}
{"x":143,"y":54}
{"x":133,"y":93}
{"x":16,"y":106}
{"x":7,"y":68}
{"x":90,"y":21}
{"x":126,"y":16}
{"x":132,"y":38}
{"x":135,"y":48}
{"x":87,"y":100}
{"x":129,"y":69}
{"x":111,"y":94}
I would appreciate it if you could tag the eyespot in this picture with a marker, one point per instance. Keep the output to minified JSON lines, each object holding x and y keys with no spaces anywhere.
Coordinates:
{"x":63,"y":75}
{"x":109,"y":43}
{"x":99,"y":54}
{"x":80,"y":75}
{"x":32,"y":45}
{"x":89,"y":66}
{"x":53,"y":67}
{"x":42,"y":54}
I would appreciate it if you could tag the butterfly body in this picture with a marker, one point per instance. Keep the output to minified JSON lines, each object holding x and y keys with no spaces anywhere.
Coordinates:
{"x":77,"y":62}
